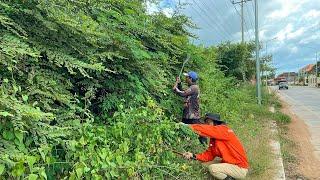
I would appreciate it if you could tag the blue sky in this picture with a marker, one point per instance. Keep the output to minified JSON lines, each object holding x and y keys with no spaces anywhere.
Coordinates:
{"x":294,"y":23}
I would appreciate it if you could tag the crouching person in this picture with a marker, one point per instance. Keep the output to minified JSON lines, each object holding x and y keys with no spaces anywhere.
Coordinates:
{"x":224,"y":145}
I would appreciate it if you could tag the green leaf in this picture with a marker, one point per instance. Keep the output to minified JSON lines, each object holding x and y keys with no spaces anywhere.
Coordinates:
{"x":25,"y":98}
{"x":18,"y":169}
{"x":19,"y":136}
{"x":82,"y":142}
{"x":31,"y":160}
{"x":32,"y":177}
{"x":119,"y":159}
{"x":2,"y":168}
{"x":15,"y":88}
{"x":42,"y":153}
{"x":113,"y":173}
{"x":79,"y":172}
{"x":35,"y":103}
{"x":5,"y":114}
{"x":8,"y":135}
{"x":73,"y":145}
{"x":43,"y":174}
{"x":5,"y":80}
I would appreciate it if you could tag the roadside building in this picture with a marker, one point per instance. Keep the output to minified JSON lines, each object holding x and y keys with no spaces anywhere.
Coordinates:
{"x":313,"y":78}
{"x":305,"y":74}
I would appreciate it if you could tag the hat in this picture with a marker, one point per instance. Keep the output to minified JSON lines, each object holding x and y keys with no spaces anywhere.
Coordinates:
{"x":214,"y":117}
{"x":193,"y":75}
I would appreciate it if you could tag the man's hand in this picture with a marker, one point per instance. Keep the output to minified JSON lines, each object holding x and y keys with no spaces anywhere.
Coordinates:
{"x":178,"y":80}
{"x":176,"y":83}
{"x":187,"y":155}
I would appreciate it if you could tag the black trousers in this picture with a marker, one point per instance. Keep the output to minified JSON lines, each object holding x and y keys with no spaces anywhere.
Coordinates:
{"x":202,"y":140}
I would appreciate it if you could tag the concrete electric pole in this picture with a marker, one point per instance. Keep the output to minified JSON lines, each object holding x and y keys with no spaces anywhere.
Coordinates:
{"x":242,"y":35}
{"x":316,"y":69}
{"x":242,"y":20}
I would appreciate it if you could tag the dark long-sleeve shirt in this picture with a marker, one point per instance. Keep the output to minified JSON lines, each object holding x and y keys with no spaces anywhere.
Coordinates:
{"x":191,"y":95}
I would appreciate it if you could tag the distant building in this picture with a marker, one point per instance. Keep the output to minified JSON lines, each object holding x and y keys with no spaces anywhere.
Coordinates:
{"x":290,"y":77}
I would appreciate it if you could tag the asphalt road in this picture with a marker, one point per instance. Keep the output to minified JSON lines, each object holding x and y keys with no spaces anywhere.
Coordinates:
{"x":305,"y":103}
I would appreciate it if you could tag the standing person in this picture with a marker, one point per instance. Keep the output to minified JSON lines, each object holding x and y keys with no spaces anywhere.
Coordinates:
{"x":225,"y":145}
{"x":191,"y":108}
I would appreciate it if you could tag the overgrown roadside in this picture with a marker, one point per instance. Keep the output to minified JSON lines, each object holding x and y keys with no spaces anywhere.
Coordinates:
{"x":86,"y":93}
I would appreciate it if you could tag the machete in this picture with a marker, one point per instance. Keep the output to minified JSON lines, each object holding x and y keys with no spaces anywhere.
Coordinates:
{"x":185,"y":61}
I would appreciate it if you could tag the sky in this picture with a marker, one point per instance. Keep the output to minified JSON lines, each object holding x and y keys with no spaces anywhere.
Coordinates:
{"x":289,"y":28}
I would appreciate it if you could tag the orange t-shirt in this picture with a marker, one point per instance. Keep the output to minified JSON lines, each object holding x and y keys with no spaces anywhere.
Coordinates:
{"x":223,"y":143}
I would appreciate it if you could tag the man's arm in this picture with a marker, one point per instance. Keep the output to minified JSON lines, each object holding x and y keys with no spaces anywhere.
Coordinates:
{"x":220,"y":132}
{"x":205,"y":156}
{"x":185,"y":93}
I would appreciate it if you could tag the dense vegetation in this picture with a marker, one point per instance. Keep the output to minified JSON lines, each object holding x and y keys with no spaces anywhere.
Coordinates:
{"x":85,"y":92}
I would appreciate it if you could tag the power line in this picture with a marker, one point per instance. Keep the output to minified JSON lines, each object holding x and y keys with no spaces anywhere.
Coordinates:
{"x":250,"y":20}
{"x":219,"y":14}
{"x":241,"y":16}
{"x":245,"y":24}
{"x":208,"y":16}
{"x":208,"y":24}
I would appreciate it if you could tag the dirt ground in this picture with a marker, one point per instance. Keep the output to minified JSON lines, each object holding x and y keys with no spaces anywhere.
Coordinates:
{"x":306,"y":165}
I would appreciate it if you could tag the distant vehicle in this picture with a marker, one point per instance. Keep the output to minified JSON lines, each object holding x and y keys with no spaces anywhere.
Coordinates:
{"x":283,"y":85}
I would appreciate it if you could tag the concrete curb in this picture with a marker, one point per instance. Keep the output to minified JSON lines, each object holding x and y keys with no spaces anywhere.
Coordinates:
{"x":276,"y":148}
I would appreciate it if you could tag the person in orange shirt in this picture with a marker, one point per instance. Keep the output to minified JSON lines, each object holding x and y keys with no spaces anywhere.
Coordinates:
{"x":225,"y":145}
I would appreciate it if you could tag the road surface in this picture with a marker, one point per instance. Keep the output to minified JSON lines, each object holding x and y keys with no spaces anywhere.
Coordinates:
{"x":305,"y":103}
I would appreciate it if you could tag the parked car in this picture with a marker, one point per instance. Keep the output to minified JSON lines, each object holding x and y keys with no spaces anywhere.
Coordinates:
{"x":283,"y":85}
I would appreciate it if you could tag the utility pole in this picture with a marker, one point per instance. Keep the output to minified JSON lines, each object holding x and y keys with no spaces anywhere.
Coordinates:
{"x":257,"y":52}
{"x":242,"y":29}
{"x":242,"y":36}
{"x":316,"y":69}
{"x":242,"y":20}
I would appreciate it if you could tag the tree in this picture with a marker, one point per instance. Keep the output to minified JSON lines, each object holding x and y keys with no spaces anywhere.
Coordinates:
{"x":236,"y":60}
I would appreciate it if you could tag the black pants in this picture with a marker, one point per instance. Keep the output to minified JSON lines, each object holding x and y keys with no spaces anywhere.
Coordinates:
{"x":202,"y":140}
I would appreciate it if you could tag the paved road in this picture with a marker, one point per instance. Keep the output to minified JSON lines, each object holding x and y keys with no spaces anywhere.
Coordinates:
{"x":305,"y":103}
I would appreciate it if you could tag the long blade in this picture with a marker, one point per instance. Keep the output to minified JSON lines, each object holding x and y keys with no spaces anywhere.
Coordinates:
{"x":185,"y":61}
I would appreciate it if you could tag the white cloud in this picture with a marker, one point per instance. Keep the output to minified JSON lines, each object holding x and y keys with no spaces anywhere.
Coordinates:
{"x":313,"y":14}
{"x":309,"y":39}
{"x":153,"y":8}
{"x":282,"y":35}
{"x":293,"y":49}
{"x":167,"y":11}
{"x":262,"y":34}
{"x":288,"y":33}
{"x":286,"y":8}
{"x":296,"y":34}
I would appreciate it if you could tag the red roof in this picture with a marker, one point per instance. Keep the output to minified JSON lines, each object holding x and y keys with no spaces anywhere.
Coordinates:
{"x":308,"y":68}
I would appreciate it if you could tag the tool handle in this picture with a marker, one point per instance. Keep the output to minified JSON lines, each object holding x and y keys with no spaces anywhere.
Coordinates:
{"x":181,"y":154}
